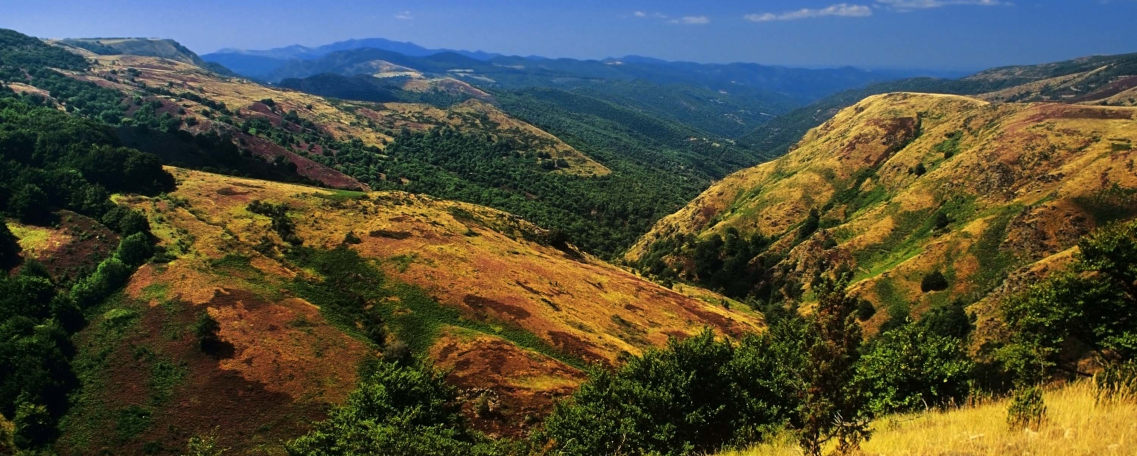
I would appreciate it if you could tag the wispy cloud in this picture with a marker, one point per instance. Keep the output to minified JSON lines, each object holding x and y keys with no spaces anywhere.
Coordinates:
{"x":692,"y":20}
{"x":404,"y":16}
{"x":910,"y":5}
{"x":685,"y":20}
{"x":645,"y":14}
{"x":839,"y":10}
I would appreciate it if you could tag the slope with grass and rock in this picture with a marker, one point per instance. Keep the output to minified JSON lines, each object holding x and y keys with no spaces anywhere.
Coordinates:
{"x":929,"y":199}
{"x":304,"y":283}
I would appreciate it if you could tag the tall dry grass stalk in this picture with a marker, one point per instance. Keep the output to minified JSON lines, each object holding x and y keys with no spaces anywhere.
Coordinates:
{"x":1077,"y":423}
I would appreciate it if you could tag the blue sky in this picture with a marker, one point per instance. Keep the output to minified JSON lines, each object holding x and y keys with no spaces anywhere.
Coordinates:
{"x":933,"y":34}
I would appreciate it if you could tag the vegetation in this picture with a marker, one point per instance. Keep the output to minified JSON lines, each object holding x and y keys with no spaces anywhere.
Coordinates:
{"x":404,"y":409}
{"x":53,"y":160}
{"x":693,"y":396}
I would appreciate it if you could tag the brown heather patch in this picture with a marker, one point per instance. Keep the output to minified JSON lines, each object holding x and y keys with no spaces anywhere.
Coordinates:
{"x":76,"y":245}
{"x":521,"y":384}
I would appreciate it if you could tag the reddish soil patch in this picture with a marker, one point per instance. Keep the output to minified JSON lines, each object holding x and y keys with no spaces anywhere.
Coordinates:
{"x":390,"y":234}
{"x":304,"y":166}
{"x":573,"y":345}
{"x":518,"y":388}
{"x":251,"y":405}
{"x":479,"y":304}
{"x":85,"y":242}
{"x":1111,"y":89}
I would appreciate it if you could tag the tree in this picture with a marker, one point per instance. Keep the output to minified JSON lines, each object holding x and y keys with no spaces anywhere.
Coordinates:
{"x":912,"y":367}
{"x":401,"y":409}
{"x":30,"y":204}
{"x":693,"y":396}
{"x":933,"y":281}
{"x":135,"y":249}
{"x":832,"y":404}
{"x":9,"y":248}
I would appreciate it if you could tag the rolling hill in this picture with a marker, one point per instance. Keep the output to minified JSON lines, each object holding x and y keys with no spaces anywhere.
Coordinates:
{"x":901,"y":187}
{"x":1107,"y":80}
{"x":509,"y":312}
{"x":724,"y":100}
{"x":469,"y":150}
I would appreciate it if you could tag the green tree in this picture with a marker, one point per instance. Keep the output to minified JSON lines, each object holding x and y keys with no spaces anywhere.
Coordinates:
{"x":135,"y":249}
{"x":30,"y":204}
{"x":396,"y":410}
{"x":693,"y":396}
{"x":832,"y":404}
{"x":9,"y":248}
{"x":912,"y":367}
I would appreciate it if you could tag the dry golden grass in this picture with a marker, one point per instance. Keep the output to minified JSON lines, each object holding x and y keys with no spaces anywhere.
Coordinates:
{"x":1076,"y":425}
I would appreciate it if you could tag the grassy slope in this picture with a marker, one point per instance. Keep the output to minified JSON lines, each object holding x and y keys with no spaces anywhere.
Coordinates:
{"x":1025,"y":180}
{"x":1076,"y":425}
{"x":463,"y":285}
{"x":372,"y":123}
{"x":1108,"y":80}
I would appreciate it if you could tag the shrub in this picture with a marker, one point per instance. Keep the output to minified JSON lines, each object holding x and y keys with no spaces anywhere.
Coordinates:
{"x":402,"y":409}
{"x":9,"y":249}
{"x":1027,"y":409}
{"x":695,"y":395}
{"x":135,"y":249}
{"x":865,"y":310}
{"x":1117,"y":380}
{"x":912,"y":367}
{"x":933,"y":281}
{"x":206,"y":329}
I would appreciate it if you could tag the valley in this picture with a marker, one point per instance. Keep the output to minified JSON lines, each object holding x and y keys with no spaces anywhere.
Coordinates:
{"x":376,"y":247}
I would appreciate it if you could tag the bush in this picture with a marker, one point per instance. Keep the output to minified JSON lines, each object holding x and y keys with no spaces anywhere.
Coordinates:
{"x":865,"y":310}
{"x":911,"y":367}
{"x":401,"y":409}
{"x":206,"y":329}
{"x":1027,"y":409}
{"x":135,"y":249}
{"x":934,"y":281}
{"x":9,"y":248}
{"x":1117,"y":380}
{"x":695,"y":395}
{"x":111,"y":274}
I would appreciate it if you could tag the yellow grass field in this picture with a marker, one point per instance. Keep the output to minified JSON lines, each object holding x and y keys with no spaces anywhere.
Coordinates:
{"x":1076,"y":425}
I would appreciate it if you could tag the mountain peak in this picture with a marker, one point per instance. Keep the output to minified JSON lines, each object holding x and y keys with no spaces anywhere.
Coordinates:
{"x":147,"y":47}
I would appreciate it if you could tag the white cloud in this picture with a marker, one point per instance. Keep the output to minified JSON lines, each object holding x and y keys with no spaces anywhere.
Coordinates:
{"x":404,"y":16}
{"x":909,"y":5}
{"x":692,"y":20}
{"x":839,"y":10}
{"x":655,"y":15}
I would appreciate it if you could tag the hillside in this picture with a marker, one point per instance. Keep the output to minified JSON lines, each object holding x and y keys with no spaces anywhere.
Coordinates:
{"x":1097,"y":80}
{"x":511,"y":313}
{"x":903,"y":186}
{"x":469,"y":150}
